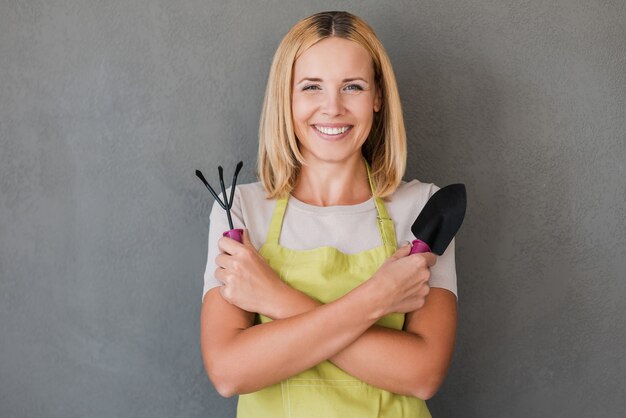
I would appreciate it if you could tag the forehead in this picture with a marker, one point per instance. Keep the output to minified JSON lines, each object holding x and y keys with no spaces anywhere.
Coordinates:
{"x":334,"y":58}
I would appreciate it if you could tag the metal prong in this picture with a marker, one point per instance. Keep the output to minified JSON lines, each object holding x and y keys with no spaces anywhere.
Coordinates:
{"x":208,"y":186}
{"x":230,"y":220}
{"x":232,"y":188}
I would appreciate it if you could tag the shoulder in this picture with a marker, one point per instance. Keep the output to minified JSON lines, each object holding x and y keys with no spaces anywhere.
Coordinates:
{"x":254,"y":210}
{"x":251,"y":190}
{"x":246,"y":195}
{"x":253,"y":200}
{"x":414,"y":188}
{"x":406,"y":203}
{"x":413,"y":194}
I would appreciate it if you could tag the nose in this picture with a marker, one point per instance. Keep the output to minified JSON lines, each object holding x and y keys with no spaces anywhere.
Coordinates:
{"x":333,"y":105}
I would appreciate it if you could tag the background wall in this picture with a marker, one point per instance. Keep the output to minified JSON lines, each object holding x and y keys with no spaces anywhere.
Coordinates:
{"x":107,"y":108}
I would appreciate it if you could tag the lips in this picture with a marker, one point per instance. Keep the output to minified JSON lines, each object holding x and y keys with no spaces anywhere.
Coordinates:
{"x":332,"y":130}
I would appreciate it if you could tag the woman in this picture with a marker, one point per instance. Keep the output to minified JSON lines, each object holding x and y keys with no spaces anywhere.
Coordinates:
{"x":347,"y":324}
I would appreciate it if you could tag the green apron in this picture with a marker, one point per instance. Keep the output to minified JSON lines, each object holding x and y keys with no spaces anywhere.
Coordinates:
{"x":326,"y":274}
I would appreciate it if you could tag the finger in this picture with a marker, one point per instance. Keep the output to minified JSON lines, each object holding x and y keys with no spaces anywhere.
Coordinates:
{"x":428,"y":259}
{"x":228,"y":245}
{"x":226,"y":294}
{"x":431,"y":259}
{"x":220,"y":274}
{"x":402,"y":251}
{"x":246,"y":238}
{"x":221,"y":260}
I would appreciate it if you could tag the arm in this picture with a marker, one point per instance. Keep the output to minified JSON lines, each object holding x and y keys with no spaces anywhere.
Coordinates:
{"x":412,"y":363}
{"x":241,"y":358}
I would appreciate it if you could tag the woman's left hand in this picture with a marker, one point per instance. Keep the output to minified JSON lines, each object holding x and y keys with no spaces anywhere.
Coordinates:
{"x":248,"y":281}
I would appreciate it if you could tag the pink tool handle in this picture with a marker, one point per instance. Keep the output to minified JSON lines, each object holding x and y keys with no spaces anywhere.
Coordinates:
{"x":419,"y":246}
{"x":236,"y":234}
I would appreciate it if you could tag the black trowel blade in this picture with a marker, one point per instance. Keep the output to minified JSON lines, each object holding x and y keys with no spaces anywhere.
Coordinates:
{"x":441,"y":217}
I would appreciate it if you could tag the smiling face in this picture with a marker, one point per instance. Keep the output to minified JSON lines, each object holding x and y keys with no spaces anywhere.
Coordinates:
{"x":334,"y":98}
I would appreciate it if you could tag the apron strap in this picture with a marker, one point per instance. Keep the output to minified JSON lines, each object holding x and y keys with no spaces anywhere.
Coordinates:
{"x":384,"y":221}
{"x":277,"y":221}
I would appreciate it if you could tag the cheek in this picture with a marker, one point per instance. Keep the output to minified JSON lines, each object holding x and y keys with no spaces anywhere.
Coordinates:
{"x":299,"y":110}
{"x":302,"y":110}
{"x":300,"y":116}
{"x":365,"y":111}
{"x":361,"y":105}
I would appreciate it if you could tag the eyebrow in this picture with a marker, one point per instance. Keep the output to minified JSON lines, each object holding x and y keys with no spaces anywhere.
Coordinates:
{"x":345,"y":80}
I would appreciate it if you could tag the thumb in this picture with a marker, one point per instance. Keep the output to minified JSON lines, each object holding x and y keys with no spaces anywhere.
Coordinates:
{"x":246,"y":238}
{"x":402,"y":251}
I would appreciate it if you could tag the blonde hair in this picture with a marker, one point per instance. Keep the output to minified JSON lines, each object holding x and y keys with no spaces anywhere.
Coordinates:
{"x":280,"y":159}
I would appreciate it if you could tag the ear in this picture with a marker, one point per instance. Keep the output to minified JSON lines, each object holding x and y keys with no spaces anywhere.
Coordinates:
{"x":377,"y":100}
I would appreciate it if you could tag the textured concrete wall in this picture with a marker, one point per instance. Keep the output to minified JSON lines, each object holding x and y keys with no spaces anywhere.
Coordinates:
{"x":106,"y":109}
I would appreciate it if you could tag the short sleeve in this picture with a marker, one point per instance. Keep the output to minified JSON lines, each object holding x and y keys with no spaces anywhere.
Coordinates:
{"x":443,"y":273}
{"x":406,"y":204}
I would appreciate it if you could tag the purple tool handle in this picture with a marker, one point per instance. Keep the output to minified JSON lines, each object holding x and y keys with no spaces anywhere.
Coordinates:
{"x":419,"y":246}
{"x":236,"y":234}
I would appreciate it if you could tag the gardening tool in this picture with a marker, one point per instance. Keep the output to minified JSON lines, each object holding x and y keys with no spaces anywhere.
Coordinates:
{"x":439,"y":220}
{"x":236,"y":234}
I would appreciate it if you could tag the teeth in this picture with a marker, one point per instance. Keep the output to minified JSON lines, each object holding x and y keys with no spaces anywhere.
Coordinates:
{"x":332,"y":131}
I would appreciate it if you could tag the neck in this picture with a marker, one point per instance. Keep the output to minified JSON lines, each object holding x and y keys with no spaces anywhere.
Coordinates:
{"x":323,"y":183}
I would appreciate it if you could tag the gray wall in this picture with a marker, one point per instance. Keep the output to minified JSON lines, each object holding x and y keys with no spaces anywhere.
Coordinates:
{"x":106,"y":109}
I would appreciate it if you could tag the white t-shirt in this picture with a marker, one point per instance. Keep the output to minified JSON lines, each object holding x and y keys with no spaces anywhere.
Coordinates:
{"x":350,"y":228}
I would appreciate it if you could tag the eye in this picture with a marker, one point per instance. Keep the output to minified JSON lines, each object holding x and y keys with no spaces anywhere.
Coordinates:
{"x":353,"y":87}
{"x":310,"y":87}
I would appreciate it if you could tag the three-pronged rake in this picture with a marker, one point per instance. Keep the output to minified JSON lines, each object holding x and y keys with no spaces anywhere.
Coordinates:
{"x":227,"y":203}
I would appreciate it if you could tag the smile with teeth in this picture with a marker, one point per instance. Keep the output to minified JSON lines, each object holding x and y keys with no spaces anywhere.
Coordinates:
{"x":332,"y":131}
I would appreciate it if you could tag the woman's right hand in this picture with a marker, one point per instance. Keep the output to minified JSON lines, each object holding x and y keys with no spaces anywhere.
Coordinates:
{"x":401,"y":282}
